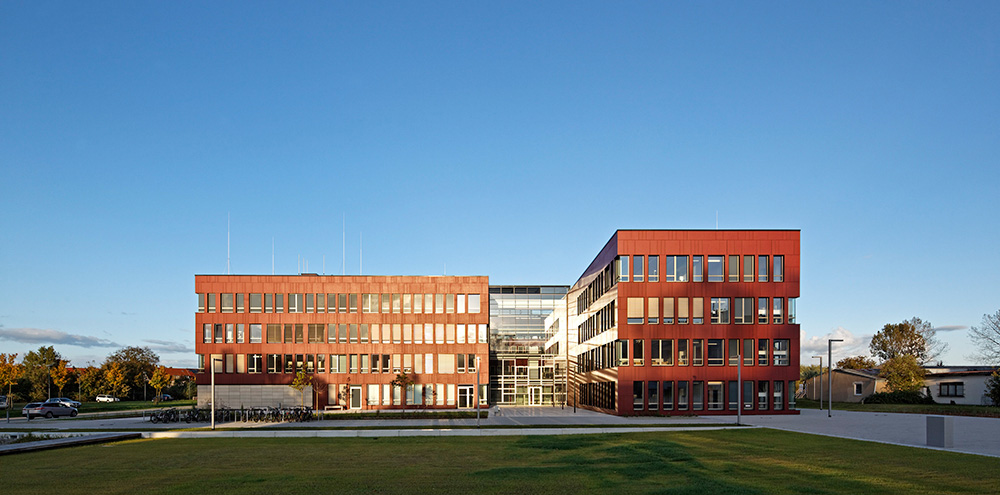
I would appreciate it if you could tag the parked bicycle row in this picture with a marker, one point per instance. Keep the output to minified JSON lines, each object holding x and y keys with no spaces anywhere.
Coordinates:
{"x":225,"y":414}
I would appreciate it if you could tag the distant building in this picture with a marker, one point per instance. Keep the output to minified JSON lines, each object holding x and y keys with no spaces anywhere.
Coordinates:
{"x":944,"y":384}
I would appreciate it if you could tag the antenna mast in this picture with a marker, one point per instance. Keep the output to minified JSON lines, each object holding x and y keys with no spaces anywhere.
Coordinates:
{"x":227,"y":243}
{"x":343,"y":252}
{"x":361,"y":256}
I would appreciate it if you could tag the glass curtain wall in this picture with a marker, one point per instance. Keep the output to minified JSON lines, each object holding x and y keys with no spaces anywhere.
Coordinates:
{"x":521,"y":372}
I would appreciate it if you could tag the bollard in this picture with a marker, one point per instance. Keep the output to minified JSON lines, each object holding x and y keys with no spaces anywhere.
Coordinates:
{"x":941,"y":431}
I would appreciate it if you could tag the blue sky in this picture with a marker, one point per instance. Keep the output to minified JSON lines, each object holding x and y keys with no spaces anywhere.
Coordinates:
{"x":505,"y":139}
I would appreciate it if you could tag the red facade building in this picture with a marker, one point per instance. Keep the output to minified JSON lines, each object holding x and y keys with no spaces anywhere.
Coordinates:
{"x":665,"y":321}
{"x":351,"y":334}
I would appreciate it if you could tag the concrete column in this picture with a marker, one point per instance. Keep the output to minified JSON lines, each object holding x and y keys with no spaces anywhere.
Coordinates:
{"x":941,"y":431}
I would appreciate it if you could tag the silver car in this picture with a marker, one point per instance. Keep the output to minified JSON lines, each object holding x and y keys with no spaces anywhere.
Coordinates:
{"x":49,"y":410}
{"x":63,"y":400}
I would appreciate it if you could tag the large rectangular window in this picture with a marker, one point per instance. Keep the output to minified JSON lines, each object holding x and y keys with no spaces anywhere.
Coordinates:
{"x":734,"y":352}
{"x":748,"y":268}
{"x":698,"y":312}
{"x":211,"y":303}
{"x":207,"y":335}
{"x":654,"y":268}
{"x":762,"y":352}
{"x":697,"y":268}
{"x":682,"y":352}
{"x":748,"y":355}
{"x":662,"y":352}
{"x":621,"y":349}
{"x":635,"y":311}
{"x":791,"y":309}
{"x":653,"y":397}
{"x":668,"y":396}
{"x":682,"y":310}
{"x":268,"y":303}
{"x":227,"y":303}
{"x":716,"y":353}
{"x":697,"y":352}
{"x":951,"y":389}
{"x":623,"y":269}
{"x":780,"y":352}
{"x":668,"y":310}
{"x":637,"y":354}
{"x":255,"y":303}
{"x":240,"y":302}
{"x":762,"y":268}
{"x":779,"y":269}
{"x":637,"y":388}
{"x":720,"y":310}
{"x":385,"y":303}
{"x":682,"y":395}
{"x":715,"y":397}
{"x":697,"y":395}
{"x":279,"y":303}
{"x":734,"y":268}
{"x":255,"y":333}
{"x":676,"y":269}
{"x":778,"y":310}
{"x":310,"y":303}
{"x":653,"y":310}
{"x":637,"y":268}
{"x":439,"y":303}
{"x":273,"y":333}
{"x":762,"y":310}
{"x":716,"y":268}
{"x":743,"y":310}
{"x":201,"y":303}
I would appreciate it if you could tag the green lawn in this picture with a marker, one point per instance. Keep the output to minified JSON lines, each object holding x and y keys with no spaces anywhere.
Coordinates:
{"x":955,"y":410}
{"x":717,"y":462}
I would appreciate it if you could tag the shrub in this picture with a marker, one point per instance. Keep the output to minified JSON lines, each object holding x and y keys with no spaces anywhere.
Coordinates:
{"x":908,"y":397}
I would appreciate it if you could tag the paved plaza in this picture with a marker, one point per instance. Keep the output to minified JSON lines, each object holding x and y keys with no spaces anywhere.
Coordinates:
{"x":971,"y":435}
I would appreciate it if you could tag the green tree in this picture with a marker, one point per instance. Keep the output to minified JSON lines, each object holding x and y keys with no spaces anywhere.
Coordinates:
{"x":160,"y":379}
{"x":808,"y":371}
{"x":899,"y":339}
{"x":10,"y":372}
{"x":114,"y":378}
{"x":403,"y":381}
{"x":135,"y":362}
{"x":301,"y":381}
{"x":986,"y":338}
{"x":903,"y":374}
{"x":91,"y":380}
{"x":993,"y":388}
{"x":38,"y":370}
{"x":857,"y":363}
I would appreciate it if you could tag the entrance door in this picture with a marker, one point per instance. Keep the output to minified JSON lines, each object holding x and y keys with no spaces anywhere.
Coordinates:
{"x":534,"y":396}
{"x":465,"y":396}
{"x":355,"y":396}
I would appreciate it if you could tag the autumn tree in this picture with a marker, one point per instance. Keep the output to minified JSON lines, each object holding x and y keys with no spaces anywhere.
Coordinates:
{"x":857,"y":363}
{"x":993,"y":388}
{"x":90,"y":379}
{"x":114,"y":378}
{"x":60,"y":375}
{"x":986,"y":338}
{"x":10,"y":372}
{"x":160,"y":379}
{"x":903,"y":374}
{"x":808,"y":371}
{"x":913,"y":337}
{"x":135,"y":361}
{"x":301,"y":381}
{"x":38,"y":370}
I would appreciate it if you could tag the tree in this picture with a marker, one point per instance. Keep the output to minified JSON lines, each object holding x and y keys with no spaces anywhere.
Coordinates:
{"x":114,"y":378}
{"x":60,"y":375}
{"x":160,"y":379}
{"x":933,"y":346}
{"x":857,"y":363}
{"x":901,"y":339}
{"x":403,"y":381}
{"x":903,"y":374}
{"x":986,"y":338}
{"x":90,"y":379}
{"x":301,"y":381}
{"x":38,"y":370}
{"x":808,"y":371}
{"x":993,"y":388}
{"x":10,"y":372}
{"x":135,"y":362}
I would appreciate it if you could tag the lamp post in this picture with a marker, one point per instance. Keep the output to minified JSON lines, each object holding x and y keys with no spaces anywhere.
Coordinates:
{"x":829,"y":362}
{"x":820,"y":381}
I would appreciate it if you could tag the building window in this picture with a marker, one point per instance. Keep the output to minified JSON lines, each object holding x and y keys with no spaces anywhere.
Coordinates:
{"x":654,"y":396}
{"x":951,"y":389}
{"x":697,"y":268}
{"x":239,"y":333}
{"x":654,"y":268}
{"x":682,"y":352}
{"x":255,"y":333}
{"x":474,"y":303}
{"x":621,"y":349}
{"x":762,"y":395}
{"x":637,"y":396}
{"x":662,"y":352}
{"x":699,"y":311}
{"x":697,"y":352}
{"x":778,"y":310}
{"x":268,"y":303}
{"x":668,"y":310}
{"x":635,"y":311}
{"x":682,"y":310}
{"x":748,"y":395}
{"x":653,"y":310}
{"x":698,"y":395}
{"x":255,"y":303}
{"x":240,"y":303}
{"x":779,"y":269}
{"x":218,"y":333}
{"x":439,"y":303}
{"x":638,"y":268}
{"x":734,"y":268}
{"x":743,"y":310}
{"x":734,"y":352}
{"x":677,"y":268}
{"x":748,"y":268}
{"x":720,"y":310}
{"x":762,"y":268}
{"x":780,"y":352}
{"x":385,"y":303}
{"x":637,"y":353}
{"x":715,"y":397}
{"x":279,"y":303}
{"x":227,"y":303}
{"x":762,"y":352}
{"x":211,"y":303}
{"x":201,"y":303}
{"x":779,"y":396}
{"x":207,"y":337}
{"x":254,"y":363}
{"x":623,"y":268}
{"x":748,"y":357}
{"x":715,"y":268}
{"x":310,"y":303}
{"x":859,"y":388}
{"x":295,"y":303}
{"x":682,"y":395}
{"x":791,"y":309}
{"x":273,"y":333}
{"x":762,"y":310}
{"x":716,"y":353}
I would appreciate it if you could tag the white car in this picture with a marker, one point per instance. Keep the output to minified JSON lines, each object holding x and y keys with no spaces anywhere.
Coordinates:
{"x":107,"y":398}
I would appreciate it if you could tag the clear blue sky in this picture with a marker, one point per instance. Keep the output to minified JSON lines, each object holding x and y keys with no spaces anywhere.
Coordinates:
{"x":507,"y":139}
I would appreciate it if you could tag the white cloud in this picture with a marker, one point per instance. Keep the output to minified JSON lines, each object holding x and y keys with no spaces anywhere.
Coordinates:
{"x":852,"y":345}
{"x":167,"y":346}
{"x":950,"y":328}
{"x":46,"y":336}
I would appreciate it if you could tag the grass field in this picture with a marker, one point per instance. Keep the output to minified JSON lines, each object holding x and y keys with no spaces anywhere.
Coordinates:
{"x":717,"y":462}
{"x":954,"y":410}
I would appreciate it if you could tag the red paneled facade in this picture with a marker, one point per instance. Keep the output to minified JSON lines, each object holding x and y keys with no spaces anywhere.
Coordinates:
{"x":669,"y":318}
{"x":351,"y":334}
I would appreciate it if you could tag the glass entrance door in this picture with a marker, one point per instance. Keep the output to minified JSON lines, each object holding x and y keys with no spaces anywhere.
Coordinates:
{"x":355,"y":397}
{"x":465,"y":396}
{"x":534,"y":396}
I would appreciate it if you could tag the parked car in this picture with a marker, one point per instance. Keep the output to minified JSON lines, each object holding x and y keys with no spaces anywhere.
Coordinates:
{"x":63,"y":400}
{"x":4,"y":403}
{"x":49,"y":410}
{"x":30,"y":405}
{"x":107,"y":398}
{"x":162,"y":398}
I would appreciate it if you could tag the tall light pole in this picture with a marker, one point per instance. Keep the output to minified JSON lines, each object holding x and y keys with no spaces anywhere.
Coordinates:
{"x":829,"y":362}
{"x":820,"y":381}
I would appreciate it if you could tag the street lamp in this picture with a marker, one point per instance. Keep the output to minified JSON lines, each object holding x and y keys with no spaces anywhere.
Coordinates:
{"x":820,"y":381}
{"x":829,"y":362}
